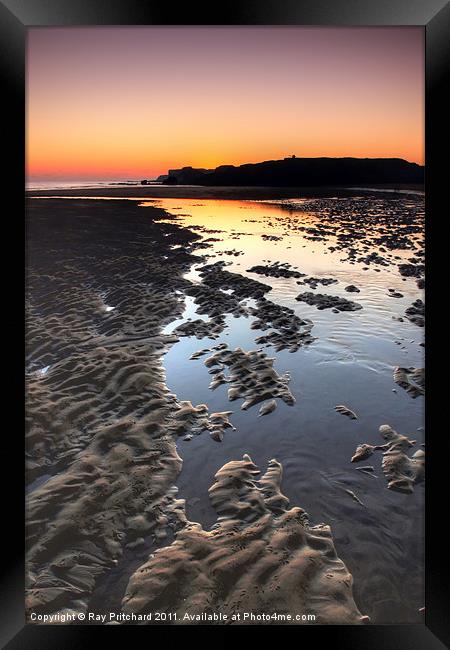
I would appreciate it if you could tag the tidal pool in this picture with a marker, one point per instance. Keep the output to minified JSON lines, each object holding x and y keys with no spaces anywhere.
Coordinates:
{"x":361,"y":241}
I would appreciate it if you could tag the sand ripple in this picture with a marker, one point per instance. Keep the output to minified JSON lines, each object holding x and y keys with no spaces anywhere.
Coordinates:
{"x":260,"y":557}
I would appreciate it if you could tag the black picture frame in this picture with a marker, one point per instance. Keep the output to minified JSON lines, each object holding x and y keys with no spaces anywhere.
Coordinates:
{"x":16,"y":16}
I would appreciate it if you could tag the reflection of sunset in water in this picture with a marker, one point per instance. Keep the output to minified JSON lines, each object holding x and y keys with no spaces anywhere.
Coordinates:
{"x":250,"y":220}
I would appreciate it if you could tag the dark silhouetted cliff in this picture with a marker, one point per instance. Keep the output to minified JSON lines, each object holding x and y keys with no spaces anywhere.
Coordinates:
{"x":185,"y":176}
{"x":305,"y":172}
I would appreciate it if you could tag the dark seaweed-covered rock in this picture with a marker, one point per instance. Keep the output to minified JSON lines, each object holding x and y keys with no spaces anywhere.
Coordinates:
{"x":313,"y":282}
{"x":271,"y":238}
{"x":276,"y":270}
{"x":416,"y":313}
{"x":373,"y":258}
{"x":201,"y":328}
{"x":323,"y":301}
{"x":216,"y":276}
{"x":411,"y":270}
{"x":394,"y":294}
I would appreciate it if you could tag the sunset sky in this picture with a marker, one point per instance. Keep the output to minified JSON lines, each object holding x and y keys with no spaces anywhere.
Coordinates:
{"x":132,"y":102}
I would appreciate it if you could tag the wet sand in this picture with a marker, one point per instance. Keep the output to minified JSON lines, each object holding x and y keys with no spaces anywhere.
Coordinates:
{"x":100,"y":420}
{"x":234,"y":193}
{"x":104,"y":429}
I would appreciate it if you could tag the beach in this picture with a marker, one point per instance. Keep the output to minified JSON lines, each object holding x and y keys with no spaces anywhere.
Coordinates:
{"x":119,"y":191}
{"x":225,"y":402}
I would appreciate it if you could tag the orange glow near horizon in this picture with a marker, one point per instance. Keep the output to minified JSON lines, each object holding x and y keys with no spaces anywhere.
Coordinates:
{"x":116,"y":103}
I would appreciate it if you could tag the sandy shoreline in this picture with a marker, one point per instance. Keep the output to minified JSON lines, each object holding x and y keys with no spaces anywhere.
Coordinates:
{"x":102,"y":427}
{"x":201,"y":192}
